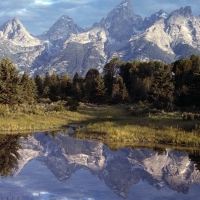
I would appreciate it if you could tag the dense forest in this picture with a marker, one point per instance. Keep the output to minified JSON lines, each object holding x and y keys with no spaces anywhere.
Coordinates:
{"x":164,"y":86}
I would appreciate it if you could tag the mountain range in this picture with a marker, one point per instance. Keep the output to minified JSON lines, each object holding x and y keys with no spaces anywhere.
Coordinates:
{"x":68,"y":48}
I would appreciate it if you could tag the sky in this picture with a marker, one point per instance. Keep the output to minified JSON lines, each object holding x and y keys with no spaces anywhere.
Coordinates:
{"x":39,"y":15}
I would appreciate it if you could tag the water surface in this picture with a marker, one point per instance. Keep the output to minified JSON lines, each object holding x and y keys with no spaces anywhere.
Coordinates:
{"x":62,"y":167}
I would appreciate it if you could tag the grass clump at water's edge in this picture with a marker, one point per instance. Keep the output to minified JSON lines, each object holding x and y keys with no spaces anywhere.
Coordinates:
{"x":36,"y":117}
{"x":113,"y":123}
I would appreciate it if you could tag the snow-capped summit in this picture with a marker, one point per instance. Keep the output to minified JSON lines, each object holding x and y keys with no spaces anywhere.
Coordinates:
{"x":122,"y":21}
{"x":14,"y":31}
{"x":61,"y":29}
{"x":149,"y":21}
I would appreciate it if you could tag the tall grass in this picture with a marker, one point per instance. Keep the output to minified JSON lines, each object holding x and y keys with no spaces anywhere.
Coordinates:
{"x":113,"y":123}
{"x":117,"y":124}
{"x":36,"y":117}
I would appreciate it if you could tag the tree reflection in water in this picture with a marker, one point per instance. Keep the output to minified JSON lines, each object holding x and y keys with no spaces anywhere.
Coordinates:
{"x":9,"y":156}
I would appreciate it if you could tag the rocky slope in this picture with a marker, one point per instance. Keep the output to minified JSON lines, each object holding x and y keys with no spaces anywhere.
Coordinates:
{"x":66,"y":47}
{"x":168,"y":39}
{"x":64,"y":155}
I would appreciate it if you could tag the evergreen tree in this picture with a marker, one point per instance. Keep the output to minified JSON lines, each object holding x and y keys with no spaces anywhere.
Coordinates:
{"x":76,"y":87}
{"x":47,"y":79}
{"x":40,"y":84}
{"x":111,"y":69}
{"x":89,"y":84}
{"x":162,"y":88}
{"x":54,"y":86}
{"x":187,"y":81}
{"x":9,"y":146}
{"x":76,"y":92}
{"x":29,"y":88}
{"x":65,"y":86}
{"x":11,"y":90}
{"x":119,"y":91}
{"x":97,"y":93}
{"x":46,"y":92}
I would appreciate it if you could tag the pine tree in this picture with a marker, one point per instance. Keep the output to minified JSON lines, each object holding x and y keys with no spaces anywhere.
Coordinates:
{"x":89,"y":84}
{"x":40,"y":84}
{"x":29,"y":88}
{"x":162,"y":88}
{"x":97,"y":94}
{"x":65,"y":86}
{"x":111,"y":69}
{"x":9,"y":146}
{"x":54,"y":86}
{"x":11,"y":89}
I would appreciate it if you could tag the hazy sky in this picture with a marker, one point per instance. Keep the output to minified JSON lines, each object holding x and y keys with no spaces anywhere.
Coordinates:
{"x":39,"y":15}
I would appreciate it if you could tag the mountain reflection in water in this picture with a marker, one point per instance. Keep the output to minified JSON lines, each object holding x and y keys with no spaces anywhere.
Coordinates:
{"x":91,"y":170}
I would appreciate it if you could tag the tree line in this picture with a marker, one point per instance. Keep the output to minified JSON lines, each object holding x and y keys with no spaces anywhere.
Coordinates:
{"x":121,"y":82}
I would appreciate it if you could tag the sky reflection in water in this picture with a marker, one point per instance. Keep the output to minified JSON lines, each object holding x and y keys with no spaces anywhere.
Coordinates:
{"x":66,"y":168}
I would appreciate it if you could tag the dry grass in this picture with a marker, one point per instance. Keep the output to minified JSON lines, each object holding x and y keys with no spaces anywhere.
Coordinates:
{"x":113,"y":123}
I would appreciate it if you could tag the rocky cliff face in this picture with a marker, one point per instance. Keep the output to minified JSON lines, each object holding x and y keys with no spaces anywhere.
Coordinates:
{"x":64,"y":155}
{"x":82,"y":51}
{"x":14,"y":31}
{"x":168,"y":39}
{"x":121,"y":23}
{"x":66,"y":47}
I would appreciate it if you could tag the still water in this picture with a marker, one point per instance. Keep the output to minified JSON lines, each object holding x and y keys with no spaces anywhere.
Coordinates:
{"x":61,"y":167}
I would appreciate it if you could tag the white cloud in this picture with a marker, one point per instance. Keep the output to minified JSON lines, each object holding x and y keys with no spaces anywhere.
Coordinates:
{"x":42,"y":2}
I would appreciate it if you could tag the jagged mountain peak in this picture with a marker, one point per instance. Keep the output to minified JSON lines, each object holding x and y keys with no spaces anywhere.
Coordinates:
{"x":14,"y":31}
{"x":15,"y":20}
{"x":184,"y":11}
{"x":149,"y":21}
{"x":124,"y":9}
{"x":12,"y":25}
{"x":61,"y":29}
{"x":162,"y":14}
{"x":124,"y":4}
{"x":122,"y":17}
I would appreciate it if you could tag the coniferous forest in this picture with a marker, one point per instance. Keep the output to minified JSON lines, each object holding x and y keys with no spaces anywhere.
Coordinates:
{"x":164,"y":86}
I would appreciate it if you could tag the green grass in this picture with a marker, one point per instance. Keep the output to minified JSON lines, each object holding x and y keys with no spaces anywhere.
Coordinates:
{"x":37,"y":117}
{"x":115,"y":123}
{"x":108,"y":123}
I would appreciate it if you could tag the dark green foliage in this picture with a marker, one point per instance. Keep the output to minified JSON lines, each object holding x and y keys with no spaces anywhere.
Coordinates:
{"x":11,"y":89}
{"x":40,"y":84}
{"x":94,"y":88}
{"x":162,"y":88}
{"x":54,"y":87}
{"x":65,"y":86}
{"x":73,"y":104}
{"x":29,"y":88}
{"x":187,"y":81}
{"x":76,"y":91}
{"x":154,"y":82}
{"x":97,"y":90}
{"x":119,"y":91}
{"x":9,"y":156}
{"x":111,"y":69}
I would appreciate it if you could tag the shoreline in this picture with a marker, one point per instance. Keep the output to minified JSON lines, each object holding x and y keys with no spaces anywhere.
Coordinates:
{"x":113,"y":123}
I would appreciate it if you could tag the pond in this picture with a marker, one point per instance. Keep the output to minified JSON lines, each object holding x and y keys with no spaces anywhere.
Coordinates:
{"x":57,"y":166}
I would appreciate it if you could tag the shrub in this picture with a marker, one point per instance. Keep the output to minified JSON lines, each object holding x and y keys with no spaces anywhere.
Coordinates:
{"x":57,"y":108}
{"x":73,"y":104}
{"x":4,"y":111}
{"x":44,"y":100}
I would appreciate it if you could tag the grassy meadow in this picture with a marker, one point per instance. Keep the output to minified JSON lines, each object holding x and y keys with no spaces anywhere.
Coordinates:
{"x":118,"y":123}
